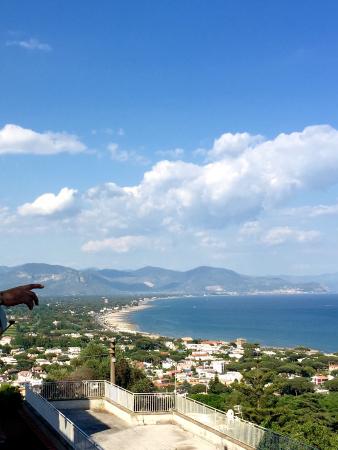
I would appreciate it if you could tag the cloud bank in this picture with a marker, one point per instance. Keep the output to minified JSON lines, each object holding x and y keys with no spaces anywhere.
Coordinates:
{"x":242,"y":178}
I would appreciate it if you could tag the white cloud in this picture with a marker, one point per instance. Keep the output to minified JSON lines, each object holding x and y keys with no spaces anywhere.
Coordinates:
{"x":230,"y":145}
{"x":31,"y":44}
{"x":176,"y":153}
{"x":121,"y":244}
{"x":175,"y":194}
{"x":49,"y":204}
{"x":280,"y":235}
{"x":227,"y":203}
{"x":125,"y":155}
{"x":18,"y":140}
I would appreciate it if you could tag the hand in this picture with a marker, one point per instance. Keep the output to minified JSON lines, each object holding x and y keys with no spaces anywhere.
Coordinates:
{"x":21,"y":295}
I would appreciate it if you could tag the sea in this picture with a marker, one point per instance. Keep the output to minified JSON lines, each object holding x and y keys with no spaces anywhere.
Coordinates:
{"x":309,"y":320}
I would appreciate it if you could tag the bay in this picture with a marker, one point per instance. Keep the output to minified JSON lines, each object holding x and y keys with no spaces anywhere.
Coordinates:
{"x":272,"y":320}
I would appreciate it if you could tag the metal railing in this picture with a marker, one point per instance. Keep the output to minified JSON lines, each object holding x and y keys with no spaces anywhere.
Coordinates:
{"x":246,"y":432}
{"x":154,"y":402}
{"x":65,"y":390}
{"x":77,"y":390}
{"x":73,"y":435}
{"x":119,"y":395}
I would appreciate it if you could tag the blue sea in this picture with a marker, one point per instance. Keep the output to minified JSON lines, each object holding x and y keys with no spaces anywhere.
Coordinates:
{"x":276,"y":320}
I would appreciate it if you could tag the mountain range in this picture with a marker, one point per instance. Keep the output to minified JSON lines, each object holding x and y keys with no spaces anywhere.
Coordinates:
{"x":65,"y":281}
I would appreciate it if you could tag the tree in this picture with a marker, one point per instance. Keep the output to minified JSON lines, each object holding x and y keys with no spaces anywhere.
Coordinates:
{"x":253,"y":387}
{"x":123,"y":373}
{"x":197,"y":389}
{"x":95,"y":356}
{"x":216,"y":387}
{"x":142,"y":385}
{"x":185,"y":386}
{"x":81,"y":373}
{"x":332,"y":385}
{"x":297,"y":386}
{"x":10,"y":399}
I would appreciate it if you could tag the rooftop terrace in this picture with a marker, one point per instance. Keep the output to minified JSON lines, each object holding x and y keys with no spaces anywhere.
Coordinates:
{"x":92,"y":415}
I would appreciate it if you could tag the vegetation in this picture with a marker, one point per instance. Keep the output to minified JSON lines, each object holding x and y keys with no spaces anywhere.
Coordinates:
{"x":276,"y":390}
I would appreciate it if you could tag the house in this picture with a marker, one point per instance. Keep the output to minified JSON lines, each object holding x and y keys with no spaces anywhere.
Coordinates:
{"x":168,"y":363}
{"x":170,"y":345}
{"x":53,"y":351}
{"x":240,"y":342}
{"x":200,"y":356}
{"x":6,"y":340}
{"x":230,"y":377}
{"x":37,"y":371}
{"x":319,"y":379}
{"x":332,"y":367}
{"x":218,"y":365}
{"x":9,"y":360}
{"x":74,"y":350}
{"x":25,"y":376}
{"x":42,"y":362}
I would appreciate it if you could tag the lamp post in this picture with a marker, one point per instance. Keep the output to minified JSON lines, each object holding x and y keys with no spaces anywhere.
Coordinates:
{"x":112,"y":360}
{"x":175,"y":382}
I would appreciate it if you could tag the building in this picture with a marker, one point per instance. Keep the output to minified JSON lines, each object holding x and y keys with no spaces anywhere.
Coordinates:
{"x":5,"y":340}
{"x":332,"y":367}
{"x":230,"y":377}
{"x":240,"y":342}
{"x":218,"y":365}
{"x":319,"y":379}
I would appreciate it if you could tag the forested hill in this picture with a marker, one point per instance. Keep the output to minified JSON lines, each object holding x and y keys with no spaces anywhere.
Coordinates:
{"x":60,"y":280}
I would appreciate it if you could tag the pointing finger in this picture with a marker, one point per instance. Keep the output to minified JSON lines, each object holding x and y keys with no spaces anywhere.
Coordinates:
{"x":34,"y":297}
{"x":35,"y":286}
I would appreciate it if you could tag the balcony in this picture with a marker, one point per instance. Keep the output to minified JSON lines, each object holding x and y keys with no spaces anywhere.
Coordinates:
{"x":90,"y":415}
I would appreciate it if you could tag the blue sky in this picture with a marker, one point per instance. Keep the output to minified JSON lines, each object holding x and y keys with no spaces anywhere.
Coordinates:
{"x":172,"y":133}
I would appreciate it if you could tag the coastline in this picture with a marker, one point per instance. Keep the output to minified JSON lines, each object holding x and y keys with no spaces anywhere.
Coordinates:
{"x":122,"y":321}
{"x":119,"y":321}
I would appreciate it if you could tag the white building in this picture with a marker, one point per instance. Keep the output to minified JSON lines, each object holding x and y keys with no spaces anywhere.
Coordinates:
{"x":53,"y":351}
{"x":230,"y":377}
{"x":218,"y":365}
{"x":9,"y":360}
{"x":170,"y":345}
{"x":6,"y":340}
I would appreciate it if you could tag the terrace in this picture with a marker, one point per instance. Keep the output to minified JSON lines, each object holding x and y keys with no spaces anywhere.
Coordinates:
{"x":90,"y":415}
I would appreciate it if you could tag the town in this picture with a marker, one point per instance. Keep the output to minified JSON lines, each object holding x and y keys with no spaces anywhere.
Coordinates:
{"x":66,"y":339}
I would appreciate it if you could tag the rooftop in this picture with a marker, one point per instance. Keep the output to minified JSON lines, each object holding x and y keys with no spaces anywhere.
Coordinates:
{"x":99,"y":415}
{"x":112,"y":433}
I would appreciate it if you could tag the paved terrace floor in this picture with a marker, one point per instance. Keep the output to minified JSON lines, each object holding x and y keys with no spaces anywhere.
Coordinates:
{"x":113,"y":433}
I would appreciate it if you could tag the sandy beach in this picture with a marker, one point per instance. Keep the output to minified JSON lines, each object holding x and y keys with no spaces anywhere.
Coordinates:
{"x":118,"y":320}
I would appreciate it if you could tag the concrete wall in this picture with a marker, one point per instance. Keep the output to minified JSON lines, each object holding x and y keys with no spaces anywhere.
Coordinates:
{"x":80,"y":404}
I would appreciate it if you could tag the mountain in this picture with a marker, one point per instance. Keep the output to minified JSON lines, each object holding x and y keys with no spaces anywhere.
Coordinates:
{"x":62,"y":281}
{"x":329,"y":281}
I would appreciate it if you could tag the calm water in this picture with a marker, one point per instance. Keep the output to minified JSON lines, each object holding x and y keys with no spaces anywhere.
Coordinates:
{"x":310,"y":320}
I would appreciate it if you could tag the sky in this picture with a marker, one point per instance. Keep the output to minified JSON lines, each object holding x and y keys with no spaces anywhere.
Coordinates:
{"x":170,"y":133}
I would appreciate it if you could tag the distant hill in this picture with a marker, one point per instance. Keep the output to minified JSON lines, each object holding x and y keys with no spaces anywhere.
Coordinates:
{"x":62,"y":281}
{"x":329,"y":281}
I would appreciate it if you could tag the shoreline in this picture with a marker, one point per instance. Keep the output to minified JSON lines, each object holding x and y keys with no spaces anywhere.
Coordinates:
{"x":119,"y":321}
